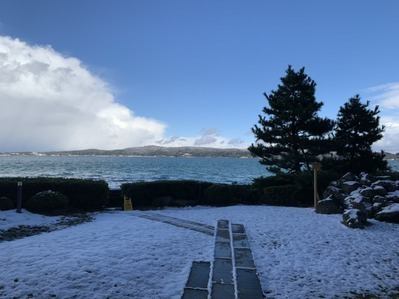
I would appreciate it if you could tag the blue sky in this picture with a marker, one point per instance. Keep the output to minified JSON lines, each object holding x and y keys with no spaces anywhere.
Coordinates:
{"x":200,"y":65}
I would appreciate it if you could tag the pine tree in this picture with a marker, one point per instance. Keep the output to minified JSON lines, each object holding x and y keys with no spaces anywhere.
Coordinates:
{"x":358,"y":127}
{"x":290,"y":135}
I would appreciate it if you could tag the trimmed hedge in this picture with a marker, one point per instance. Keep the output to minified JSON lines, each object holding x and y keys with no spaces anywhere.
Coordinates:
{"x":47,"y":202}
{"x":6,"y":204}
{"x":83,"y":194}
{"x":186,"y":193}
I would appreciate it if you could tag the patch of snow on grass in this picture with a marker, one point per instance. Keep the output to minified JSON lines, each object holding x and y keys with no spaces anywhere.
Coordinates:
{"x":301,"y":254}
{"x":11,"y":218}
{"x":118,"y":255}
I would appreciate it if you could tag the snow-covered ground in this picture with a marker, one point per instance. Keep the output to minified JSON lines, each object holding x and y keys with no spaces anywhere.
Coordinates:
{"x":11,"y":218}
{"x":299,"y":254}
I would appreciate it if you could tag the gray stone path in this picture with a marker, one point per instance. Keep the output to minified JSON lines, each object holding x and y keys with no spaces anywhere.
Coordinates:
{"x":232,"y":274}
{"x":233,"y":271}
{"x":195,"y":226}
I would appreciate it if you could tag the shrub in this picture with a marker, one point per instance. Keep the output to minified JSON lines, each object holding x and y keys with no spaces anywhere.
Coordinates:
{"x":47,"y":202}
{"x":161,"y":193}
{"x":83,"y":194}
{"x":283,"y":195}
{"x":224,"y":194}
{"x":6,"y":203}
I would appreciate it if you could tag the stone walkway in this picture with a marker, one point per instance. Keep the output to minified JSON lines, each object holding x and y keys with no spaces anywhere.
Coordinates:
{"x":191,"y":225}
{"x":231,"y":274}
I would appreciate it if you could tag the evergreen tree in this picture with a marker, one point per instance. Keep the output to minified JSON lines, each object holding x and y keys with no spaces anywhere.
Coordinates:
{"x":358,"y":127}
{"x":290,"y":135}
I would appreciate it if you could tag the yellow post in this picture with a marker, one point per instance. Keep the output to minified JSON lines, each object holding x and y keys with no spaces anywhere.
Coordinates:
{"x":316,"y":168}
{"x":127,"y":204}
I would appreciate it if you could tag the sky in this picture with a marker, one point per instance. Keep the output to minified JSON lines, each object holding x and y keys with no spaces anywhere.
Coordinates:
{"x":113,"y":74}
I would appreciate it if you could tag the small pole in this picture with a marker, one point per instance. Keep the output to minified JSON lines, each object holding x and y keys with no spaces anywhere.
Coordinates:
{"x":316,"y":168}
{"x":19,"y":197}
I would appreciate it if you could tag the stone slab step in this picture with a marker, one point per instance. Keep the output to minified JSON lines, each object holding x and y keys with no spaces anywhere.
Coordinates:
{"x":248,"y":284}
{"x":199,"y":275}
{"x":222,"y":291}
{"x":194,"y":294}
{"x":222,"y":271}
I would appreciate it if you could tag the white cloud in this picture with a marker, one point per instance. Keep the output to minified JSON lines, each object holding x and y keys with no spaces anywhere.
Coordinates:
{"x":207,"y":138}
{"x":387,"y":97}
{"x":49,"y":101}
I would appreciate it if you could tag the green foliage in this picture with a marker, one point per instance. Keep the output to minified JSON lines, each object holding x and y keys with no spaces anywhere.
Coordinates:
{"x":147,"y":194}
{"x":358,"y":127}
{"x":224,"y":194}
{"x":293,"y":189}
{"x":186,"y":193}
{"x":47,"y":202}
{"x":82,"y":194}
{"x":290,"y":135}
{"x":6,"y":203}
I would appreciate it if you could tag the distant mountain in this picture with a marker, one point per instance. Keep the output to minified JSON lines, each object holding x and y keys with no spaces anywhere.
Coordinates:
{"x":390,"y":156}
{"x":152,"y":150}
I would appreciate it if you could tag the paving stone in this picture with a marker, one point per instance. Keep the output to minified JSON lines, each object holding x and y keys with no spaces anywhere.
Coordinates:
{"x":194,"y":294}
{"x":240,"y":240}
{"x":243,"y":258}
{"x":222,"y":271}
{"x":199,"y":275}
{"x":223,"y":235}
{"x":248,"y":284}
{"x":223,"y":224}
{"x":222,"y":250}
{"x":238,"y":229}
{"x":222,"y":291}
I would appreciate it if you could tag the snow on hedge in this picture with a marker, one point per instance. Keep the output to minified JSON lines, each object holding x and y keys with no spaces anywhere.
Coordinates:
{"x":298,"y":253}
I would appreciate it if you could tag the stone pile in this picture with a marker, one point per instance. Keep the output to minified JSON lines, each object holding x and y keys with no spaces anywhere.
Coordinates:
{"x":360,"y":198}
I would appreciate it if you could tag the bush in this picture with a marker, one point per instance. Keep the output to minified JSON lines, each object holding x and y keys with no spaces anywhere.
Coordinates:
{"x":83,"y":194}
{"x":6,"y":203}
{"x":47,"y":202}
{"x":292,"y":190}
{"x":224,"y":194}
{"x":162,"y":193}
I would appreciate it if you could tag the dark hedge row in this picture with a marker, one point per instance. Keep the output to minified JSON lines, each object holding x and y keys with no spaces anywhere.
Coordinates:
{"x":83,"y":194}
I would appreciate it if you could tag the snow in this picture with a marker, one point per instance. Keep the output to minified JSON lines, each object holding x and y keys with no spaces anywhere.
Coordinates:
{"x":350,"y":183}
{"x":11,"y":218}
{"x":298,"y":254}
{"x":393,"y":208}
{"x":394,"y":193}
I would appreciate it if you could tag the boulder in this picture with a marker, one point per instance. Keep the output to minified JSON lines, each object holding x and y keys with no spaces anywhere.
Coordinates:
{"x":389,"y":214}
{"x":377,"y":207}
{"x":349,"y":177}
{"x":355,"y":201}
{"x":388,"y":185}
{"x":331,"y":190}
{"x":365,"y":178}
{"x":354,"y":218}
{"x":380,"y":190}
{"x":393,"y":196}
{"x":350,"y":186}
{"x":367,"y":192}
{"x":328,"y":206}
{"x":379,"y":199}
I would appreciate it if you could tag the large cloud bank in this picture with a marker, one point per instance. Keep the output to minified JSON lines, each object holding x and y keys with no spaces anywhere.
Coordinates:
{"x":387,"y":97}
{"x":49,"y":101}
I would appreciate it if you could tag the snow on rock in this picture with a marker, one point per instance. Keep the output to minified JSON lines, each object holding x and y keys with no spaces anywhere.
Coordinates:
{"x":390,"y":213}
{"x":11,"y":218}
{"x":354,"y":218}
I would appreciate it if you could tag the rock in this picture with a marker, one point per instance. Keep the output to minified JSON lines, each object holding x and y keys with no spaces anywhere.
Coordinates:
{"x":354,"y":218}
{"x":393,"y":196}
{"x":330,"y":190}
{"x":350,"y":186}
{"x":367,"y":192}
{"x":355,"y":201}
{"x":388,"y":185}
{"x":389,"y":214}
{"x":379,"y":199}
{"x":380,"y":190}
{"x":328,"y":206}
{"x":365,"y":178}
{"x":349,"y":177}
{"x":377,"y":207}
